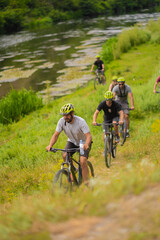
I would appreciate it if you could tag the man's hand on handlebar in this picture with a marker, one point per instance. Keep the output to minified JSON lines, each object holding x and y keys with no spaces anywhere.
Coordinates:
{"x":120,"y":122}
{"x":48,"y":148}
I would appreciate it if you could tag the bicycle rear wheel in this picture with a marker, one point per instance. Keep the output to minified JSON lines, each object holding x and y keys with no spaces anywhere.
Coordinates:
{"x":122,"y":133}
{"x":107,"y":151}
{"x":62,"y":181}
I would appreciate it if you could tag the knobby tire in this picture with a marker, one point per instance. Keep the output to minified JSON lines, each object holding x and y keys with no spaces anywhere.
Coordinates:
{"x":62,"y":180}
{"x":107,"y":151}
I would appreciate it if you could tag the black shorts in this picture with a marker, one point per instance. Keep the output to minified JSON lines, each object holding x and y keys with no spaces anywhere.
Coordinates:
{"x":70,"y":145}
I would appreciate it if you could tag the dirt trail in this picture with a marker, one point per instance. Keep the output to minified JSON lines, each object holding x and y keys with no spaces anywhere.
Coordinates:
{"x":132,"y":214}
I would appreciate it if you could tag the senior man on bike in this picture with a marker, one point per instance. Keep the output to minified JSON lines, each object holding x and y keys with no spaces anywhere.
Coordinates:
{"x":100,"y":67}
{"x":112,"y":113}
{"x":121,"y":93}
{"x":76,"y":129}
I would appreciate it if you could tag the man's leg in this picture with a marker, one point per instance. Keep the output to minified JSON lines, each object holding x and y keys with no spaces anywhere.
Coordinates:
{"x":126,"y":116}
{"x":84,"y":166}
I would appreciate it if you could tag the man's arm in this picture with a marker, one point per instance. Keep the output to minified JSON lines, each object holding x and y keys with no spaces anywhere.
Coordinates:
{"x":103,"y":67}
{"x":121,"y":117}
{"x":92,"y":67}
{"x":95,"y":117}
{"x":88,"y":141}
{"x":131,"y":99}
{"x":53,"y":140}
{"x":155,"y":85}
{"x":110,"y":87}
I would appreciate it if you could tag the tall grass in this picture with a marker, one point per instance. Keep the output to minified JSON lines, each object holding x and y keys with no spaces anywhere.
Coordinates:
{"x":17,"y":104}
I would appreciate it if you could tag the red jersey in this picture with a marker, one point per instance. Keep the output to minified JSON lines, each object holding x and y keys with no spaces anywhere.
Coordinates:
{"x":158,"y":80}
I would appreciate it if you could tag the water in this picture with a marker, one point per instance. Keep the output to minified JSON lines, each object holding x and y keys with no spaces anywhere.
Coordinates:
{"x":58,"y":59}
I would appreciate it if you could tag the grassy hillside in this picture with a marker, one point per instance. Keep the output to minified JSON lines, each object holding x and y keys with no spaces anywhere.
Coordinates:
{"x":27,"y":170}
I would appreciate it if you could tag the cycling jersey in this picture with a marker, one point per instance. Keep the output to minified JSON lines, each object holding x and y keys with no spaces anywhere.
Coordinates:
{"x":75,"y":131}
{"x":122,"y":94}
{"x":109,"y":112}
{"x":98,"y":64}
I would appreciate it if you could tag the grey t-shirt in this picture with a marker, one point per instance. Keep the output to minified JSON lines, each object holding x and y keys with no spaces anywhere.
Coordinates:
{"x":75,"y":131}
{"x":122,"y":94}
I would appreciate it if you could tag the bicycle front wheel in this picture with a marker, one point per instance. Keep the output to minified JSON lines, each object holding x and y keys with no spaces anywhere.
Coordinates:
{"x":107,"y":151}
{"x":96,"y":82}
{"x":122,"y":133}
{"x":91,"y":170}
{"x":62,"y":181}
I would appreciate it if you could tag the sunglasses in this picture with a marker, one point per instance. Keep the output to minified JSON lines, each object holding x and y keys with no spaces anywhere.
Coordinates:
{"x":121,"y":84}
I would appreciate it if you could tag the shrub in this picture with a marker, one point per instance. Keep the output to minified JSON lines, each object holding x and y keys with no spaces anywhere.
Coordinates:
{"x":17,"y":104}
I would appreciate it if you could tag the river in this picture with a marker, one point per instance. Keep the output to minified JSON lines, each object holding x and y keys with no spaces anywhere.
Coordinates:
{"x":57,"y":60}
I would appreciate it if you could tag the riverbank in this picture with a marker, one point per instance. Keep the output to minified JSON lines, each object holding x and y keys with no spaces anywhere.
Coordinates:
{"x":20,"y":15}
{"x":27,"y":205}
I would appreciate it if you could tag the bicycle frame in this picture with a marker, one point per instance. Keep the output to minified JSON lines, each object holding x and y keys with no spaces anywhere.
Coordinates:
{"x":69,"y":162}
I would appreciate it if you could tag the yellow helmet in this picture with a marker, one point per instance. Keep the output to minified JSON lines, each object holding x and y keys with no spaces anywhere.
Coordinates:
{"x":66,"y":109}
{"x":121,"y":79}
{"x":97,"y":56}
{"x":108,"y":95}
{"x":114,"y":78}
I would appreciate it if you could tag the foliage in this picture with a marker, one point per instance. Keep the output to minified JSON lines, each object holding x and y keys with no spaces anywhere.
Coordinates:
{"x":17,"y":14}
{"x":17,"y":104}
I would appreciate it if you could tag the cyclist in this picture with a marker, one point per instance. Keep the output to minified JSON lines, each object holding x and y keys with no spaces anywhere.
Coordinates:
{"x":112,"y":112}
{"x":100,"y":67}
{"x":114,"y":83}
{"x":76,"y":129}
{"x":121,"y":93}
{"x":156,"y":83}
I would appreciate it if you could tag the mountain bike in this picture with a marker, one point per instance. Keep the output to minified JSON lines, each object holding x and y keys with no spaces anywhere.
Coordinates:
{"x":97,"y":79}
{"x":110,"y":145}
{"x":70,"y":173}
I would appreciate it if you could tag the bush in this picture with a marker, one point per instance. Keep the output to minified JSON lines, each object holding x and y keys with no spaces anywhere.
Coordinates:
{"x":108,"y":49}
{"x":17,"y":104}
{"x":13,"y":20}
{"x":57,"y":16}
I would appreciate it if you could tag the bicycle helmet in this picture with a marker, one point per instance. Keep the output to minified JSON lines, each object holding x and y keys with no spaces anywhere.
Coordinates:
{"x":114,"y":78}
{"x":121,"y":79}
{"x":108,"y":95}
{"x":97,"y":56}
{"x":66,"y":109}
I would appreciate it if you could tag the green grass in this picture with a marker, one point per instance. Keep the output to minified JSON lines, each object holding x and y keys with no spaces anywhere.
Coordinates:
{"x":26,"y":169}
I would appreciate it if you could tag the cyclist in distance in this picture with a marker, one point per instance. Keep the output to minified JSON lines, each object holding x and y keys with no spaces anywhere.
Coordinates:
{"x":112,"y":112}
{"x":100,"y":66}
{"x":114,"y":83}
{"x":156,"y":83}
{"x":121,"y":93}
{"x":76,"y":129}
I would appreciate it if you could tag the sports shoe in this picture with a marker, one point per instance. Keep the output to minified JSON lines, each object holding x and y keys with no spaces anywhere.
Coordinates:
{"x":127,"y":134}
{"x":117,"y":138}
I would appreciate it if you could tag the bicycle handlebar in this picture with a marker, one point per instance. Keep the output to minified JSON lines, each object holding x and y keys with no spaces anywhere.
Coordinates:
{"x":106,"y":124}
{"x":65,"y":150}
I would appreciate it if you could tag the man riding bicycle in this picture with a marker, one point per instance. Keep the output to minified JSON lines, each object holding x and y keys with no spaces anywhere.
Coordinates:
{"x":114,"y":83}
{"x":100,"y":67}
{"x":112,"y":113}
{"x":76,"y":129}
{"x":121,"y":93}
